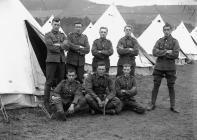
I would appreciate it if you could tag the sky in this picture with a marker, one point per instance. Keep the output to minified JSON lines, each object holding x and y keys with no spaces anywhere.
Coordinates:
{"x":131,"y":3}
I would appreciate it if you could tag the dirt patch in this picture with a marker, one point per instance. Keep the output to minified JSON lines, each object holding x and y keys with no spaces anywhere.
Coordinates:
{"x":160,"y":124}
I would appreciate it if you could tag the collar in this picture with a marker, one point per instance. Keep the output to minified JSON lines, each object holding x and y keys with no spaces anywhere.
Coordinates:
{"x":54,"y":32}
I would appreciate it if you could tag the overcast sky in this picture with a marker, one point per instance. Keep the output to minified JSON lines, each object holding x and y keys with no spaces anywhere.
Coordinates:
{"x":146,"y":2}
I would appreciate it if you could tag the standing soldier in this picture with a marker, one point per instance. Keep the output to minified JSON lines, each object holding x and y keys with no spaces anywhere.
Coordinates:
{"x":78,"y":48}
{"x":127,"y":49}
{"x":68,"y":94}
{"x":55,"y":62}
{"x":166,"y":50}
{"x":100,"y":96}
{"x":126,"y":89}
{"x":101,"y":50}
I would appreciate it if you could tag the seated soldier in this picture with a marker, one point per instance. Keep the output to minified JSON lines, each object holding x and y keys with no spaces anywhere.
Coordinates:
{"x":126,"y":89}
{"x":100,"y":96}
{"x":68,"y":95}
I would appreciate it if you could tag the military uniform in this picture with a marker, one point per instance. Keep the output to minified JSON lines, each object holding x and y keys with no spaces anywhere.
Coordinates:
{"x":68,"y":93}
{"x":105,"y":46}
{"x":126,"y":55}
{"x":76,"y":55}
{"x":128,"y":84}
{"x":55,"y":61}
{"x":165,"y":66}
{"x":102,"y":87}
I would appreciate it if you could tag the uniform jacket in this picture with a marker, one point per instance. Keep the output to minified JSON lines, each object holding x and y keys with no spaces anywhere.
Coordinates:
{"x":55,"y":53}
{"x":127,"y":83}
{"x":67,"y":89}
{"x":126,"y":55}
{"x":166,"y":61}
{"x":76,"y":55}
{"x":98,"y":86}
{"x":105,"y":46}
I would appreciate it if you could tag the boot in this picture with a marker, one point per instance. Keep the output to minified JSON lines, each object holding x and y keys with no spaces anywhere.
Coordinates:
{"x":172,"y":99}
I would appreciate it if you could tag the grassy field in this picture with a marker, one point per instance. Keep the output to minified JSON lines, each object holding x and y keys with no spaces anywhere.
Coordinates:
{"x":160,"y":124}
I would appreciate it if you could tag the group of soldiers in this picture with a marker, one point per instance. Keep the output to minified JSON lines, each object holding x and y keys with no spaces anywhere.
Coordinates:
{"x":69,"y":89}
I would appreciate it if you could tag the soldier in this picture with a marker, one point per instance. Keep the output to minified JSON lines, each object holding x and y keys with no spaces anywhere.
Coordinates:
{"x":68,"y":94}
{"x":78,"y":48}
{"x":126,"y":89}
{"x":100,"y":96}
{"x":56,"y":43}
{"x":127,"y":49}
{"x":102,"y":49}
{"x":166,"y":50}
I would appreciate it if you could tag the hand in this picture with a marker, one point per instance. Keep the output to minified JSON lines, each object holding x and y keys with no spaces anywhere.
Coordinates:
{"x":65,"y":42}
{"x":123,"y":91}
{"x":131,"y":49}
{"x":54,"y":97}
{"x":57,"y":44}
{"x":169,"y":51}
{"x":121,"y":47}
{"x":81,"y":47}
{"x":99,"y":51}
{"x":99,"y":102}
{"x":106,"y":101}
{"x":71,"y":109}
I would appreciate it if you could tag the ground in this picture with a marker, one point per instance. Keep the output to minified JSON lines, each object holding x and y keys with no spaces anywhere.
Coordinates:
{"x":160,"y":124}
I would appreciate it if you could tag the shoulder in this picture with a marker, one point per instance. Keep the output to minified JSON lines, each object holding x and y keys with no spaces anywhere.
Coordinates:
{"x":77,"y":82}
{"x":84,"y":36}
{"x":122,"y":39}
{"x":48,"y":34}
{"x":96,"y":40}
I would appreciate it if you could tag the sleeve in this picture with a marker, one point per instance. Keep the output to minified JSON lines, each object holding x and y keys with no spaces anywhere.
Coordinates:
{"x":64,"y":44}
{"x":118,"y":88}
{"x":110,"y":89}
{"x":121,"y":50}
{"x":175,"y":51}
{"x":49,"y":44}
{"x":133,"y":90}
{"x":78,"y":94}
{"x":109,"y":51}
{"x":72,"y":46}
{"x":158,"y":52}
{"x":89,"y":86}
{"x":94,"y":50}
{"x":135,"y":50}
{"x":86,"y":46}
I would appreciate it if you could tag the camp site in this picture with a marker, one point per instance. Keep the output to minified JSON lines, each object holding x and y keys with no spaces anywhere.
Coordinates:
{"x":24,"y":25}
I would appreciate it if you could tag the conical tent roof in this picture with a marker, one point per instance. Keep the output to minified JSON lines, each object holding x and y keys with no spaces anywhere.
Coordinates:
{"x":194,"y":34}
{"x":47,"y":26}
{"x":115,"y":23}
{"x":20,"y":72}
{"x":185,"y":41}
{"x":152,"y":33}
{"x":89,"y":27}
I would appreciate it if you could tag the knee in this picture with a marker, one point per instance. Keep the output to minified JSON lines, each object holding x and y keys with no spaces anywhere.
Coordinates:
{"x":88,"y":98}
{"x":82,"y":101}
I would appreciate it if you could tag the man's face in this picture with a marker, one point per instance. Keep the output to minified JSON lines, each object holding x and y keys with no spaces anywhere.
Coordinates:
{"x":126,"y":70}
{"x":128,"y":31}
{"x":103,"y":33}
{"x":78,"y":28}
{"x":167,"y":31}
{"x":56,"y":25}
{"x":71,"y":76}
{"x":101,"y":70}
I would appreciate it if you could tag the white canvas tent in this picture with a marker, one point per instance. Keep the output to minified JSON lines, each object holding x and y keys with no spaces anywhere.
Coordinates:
{"x":185,"y":41}
{"x":115,"y":23}
{"x":47,"y":26}
{"x":194,"y":34}
{"x":21,"y":74}
{"x":89,"y":27}
{"x":152,"y":33}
